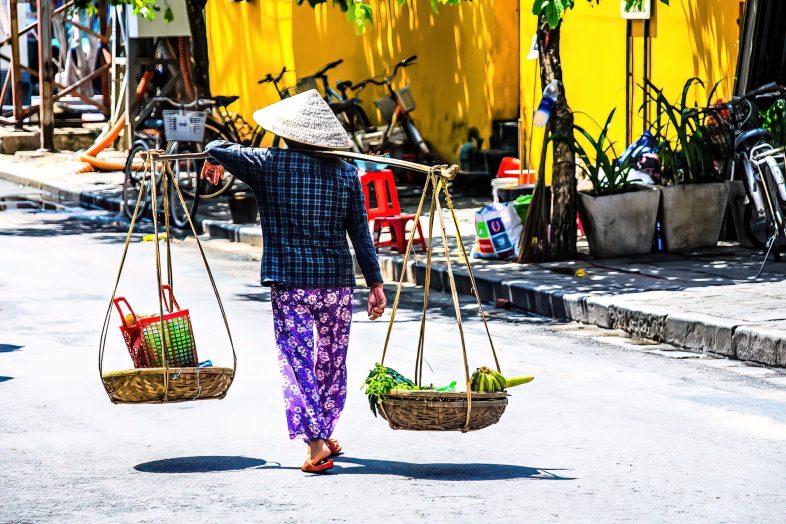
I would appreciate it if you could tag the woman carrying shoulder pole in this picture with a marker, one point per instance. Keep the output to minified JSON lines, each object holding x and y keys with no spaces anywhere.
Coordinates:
{"x":308,"y":205}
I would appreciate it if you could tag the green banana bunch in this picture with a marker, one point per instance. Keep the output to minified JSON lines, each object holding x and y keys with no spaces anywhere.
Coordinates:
{"x":485,"y":380}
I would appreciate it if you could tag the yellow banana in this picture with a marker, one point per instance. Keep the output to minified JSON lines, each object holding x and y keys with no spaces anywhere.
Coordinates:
{"x":500,"y":379}
{"x":517,"y":381}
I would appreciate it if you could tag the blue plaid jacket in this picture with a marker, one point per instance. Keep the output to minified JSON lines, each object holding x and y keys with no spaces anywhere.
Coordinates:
{"x":307,"y":206}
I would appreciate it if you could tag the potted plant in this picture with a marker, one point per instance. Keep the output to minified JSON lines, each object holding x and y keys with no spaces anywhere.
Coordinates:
{"x":618,"y":216}
{"x":694,"y":194}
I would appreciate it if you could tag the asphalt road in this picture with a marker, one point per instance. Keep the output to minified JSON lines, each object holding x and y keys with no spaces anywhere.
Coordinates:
{"x":608,"y":431}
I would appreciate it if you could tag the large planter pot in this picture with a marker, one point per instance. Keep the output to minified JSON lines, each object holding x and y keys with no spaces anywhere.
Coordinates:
{"x":620,"y":224}
{"x":693,"y":214}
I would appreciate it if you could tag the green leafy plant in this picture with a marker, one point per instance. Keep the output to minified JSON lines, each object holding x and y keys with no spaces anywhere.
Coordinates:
{"x":359,"y":14}
{"x":148,"y":9}
{"x":636,"y":4}
{"x":598,"y":159}
{"x":381,"y":381}
{"x":774,"y":121}
{"x":685,"y":154}
{"x":555,"y":9}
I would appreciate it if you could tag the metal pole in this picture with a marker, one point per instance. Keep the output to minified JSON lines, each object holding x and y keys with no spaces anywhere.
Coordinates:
{"x":103,"y":21}
{"x":16,"y":70}
{"x":46,"y":77}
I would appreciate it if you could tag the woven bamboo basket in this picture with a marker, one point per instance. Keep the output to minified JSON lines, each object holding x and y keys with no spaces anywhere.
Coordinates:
{"x":146,"y":386}
{"x":168,"y":345}
{"x":441,"y":411}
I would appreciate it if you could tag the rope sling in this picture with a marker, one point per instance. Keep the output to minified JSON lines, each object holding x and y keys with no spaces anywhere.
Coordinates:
{"x":166,"y":383}
{"x":431,"y":410}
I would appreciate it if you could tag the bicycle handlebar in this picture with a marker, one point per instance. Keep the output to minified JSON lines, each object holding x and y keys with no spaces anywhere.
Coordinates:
{"x":155,"y":101}
{"x":766,"y":88}
{"x":328,"y":67}
{"x":386,"y":80}
{"x":270,"y":78}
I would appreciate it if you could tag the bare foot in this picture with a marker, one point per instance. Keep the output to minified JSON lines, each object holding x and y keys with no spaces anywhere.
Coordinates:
{"x":318,"y":451}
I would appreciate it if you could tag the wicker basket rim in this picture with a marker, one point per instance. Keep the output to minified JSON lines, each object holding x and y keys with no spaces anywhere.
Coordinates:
{"x":161,"y":371}
{"x":430,"y":394}
{"x":442,"y":404}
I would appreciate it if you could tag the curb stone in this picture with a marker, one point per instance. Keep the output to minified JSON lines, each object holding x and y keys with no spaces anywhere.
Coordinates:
{"x":61,"y":194}
{"x":760,"y":345}
{"x":694,"y":332}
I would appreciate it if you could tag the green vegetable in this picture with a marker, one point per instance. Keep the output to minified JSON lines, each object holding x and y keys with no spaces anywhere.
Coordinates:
{"x":382,"y":380}
{"x":450,"y":387}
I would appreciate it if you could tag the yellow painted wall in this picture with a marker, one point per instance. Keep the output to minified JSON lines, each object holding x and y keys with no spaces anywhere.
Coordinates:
{"x":467,"y":72}
{"x":688,"y":38}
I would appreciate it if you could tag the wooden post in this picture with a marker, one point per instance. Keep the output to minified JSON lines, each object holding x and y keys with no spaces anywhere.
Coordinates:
{"x":46,"y":75}
{"x":16,"y":70}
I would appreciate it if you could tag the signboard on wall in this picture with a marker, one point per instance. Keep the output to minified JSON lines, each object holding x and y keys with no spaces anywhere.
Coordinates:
{"x":140,"y":27}
{"x":636,"y":13}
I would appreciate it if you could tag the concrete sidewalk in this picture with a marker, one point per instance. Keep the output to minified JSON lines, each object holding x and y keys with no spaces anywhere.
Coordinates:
{"x":705,"y":301}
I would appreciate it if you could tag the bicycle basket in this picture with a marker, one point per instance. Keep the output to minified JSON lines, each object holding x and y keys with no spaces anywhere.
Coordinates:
{"x":386,"y":106}
{"x":302,"y":85}
{"x":719,"y":131}
{"x":184,"y":126}
{"x":405,"y":98}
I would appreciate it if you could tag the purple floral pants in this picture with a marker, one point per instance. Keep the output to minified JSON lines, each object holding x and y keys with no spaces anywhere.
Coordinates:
{"x":312,"y":334}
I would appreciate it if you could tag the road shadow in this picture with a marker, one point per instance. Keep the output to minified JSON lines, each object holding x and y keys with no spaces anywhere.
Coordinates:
{"x":4,"y":379}
{"x":263,"y":296}
{"x":9,"y":348}
{"x":202,"y":464}
{"x":446,"y":471}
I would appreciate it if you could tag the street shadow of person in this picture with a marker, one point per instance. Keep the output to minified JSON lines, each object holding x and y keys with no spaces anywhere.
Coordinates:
{"x":3,"y":379}
{"x":9,"y":348}
{"x":446,"y":471}
{"x":201,"y":464}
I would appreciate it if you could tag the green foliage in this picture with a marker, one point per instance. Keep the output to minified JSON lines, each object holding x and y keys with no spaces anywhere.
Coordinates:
{"x":435,"y":3}
{"x":598,"y":159}
{"x":774,"y":121}
{"x":631,"y":4}
{"x":555,"y":9}
{"x":685,"y":154}
{"x":381,"y":380}
{"x":148,"y":9}
{"x":359,"y":14}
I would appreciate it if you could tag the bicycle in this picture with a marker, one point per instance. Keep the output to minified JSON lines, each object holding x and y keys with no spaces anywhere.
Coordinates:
{"x":396,"y":109}
{"x":734,"y":128}
{"x":348,"y":110}
{"x":221,"y":124}
{"x":150,"y":134}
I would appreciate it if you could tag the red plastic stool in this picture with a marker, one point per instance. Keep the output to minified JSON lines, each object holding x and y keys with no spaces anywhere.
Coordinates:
{"x":387,"y":216}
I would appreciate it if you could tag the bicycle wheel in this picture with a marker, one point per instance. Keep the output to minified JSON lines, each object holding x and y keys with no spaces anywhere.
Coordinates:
{"x":757,"y":219}
{"x":132,"y":183}
{"x":214,"y":131}
{"x":186,"y":178}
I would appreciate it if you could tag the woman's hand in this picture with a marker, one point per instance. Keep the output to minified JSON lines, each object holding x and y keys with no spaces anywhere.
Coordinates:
{"x":376,"y":301}
{"x":212,"y":172}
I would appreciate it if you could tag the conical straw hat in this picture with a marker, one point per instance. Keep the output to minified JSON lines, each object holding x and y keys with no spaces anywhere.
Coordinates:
{"x":304,"y":118}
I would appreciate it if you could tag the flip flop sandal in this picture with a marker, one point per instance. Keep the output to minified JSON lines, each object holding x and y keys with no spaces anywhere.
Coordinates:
{"x":334,"y":447}
{"x":320,"y":467}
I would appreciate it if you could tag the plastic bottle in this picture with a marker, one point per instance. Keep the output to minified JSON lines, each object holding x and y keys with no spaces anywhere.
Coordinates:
{"x":547,"y":103}
{"x":644,"y":144}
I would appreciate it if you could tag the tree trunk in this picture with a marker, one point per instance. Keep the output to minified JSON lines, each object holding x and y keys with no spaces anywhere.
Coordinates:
{"x":563,"y":175}
{"x":196,"y":19}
